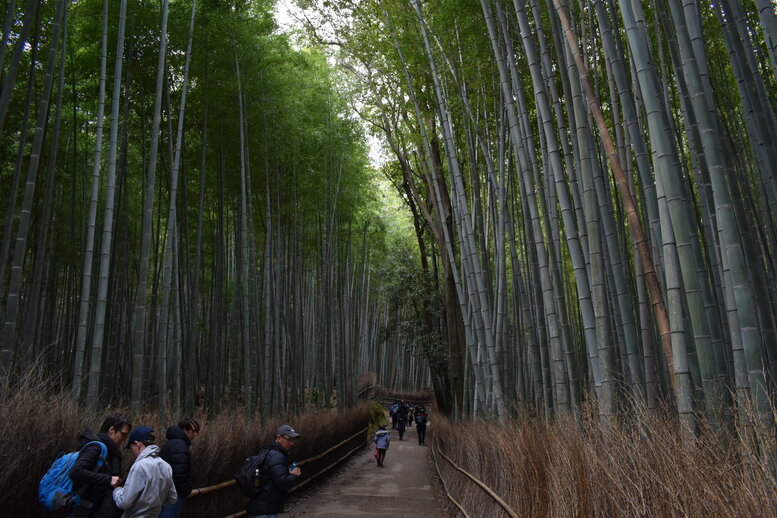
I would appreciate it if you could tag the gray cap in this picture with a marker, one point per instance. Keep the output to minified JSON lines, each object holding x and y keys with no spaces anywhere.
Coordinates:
{"x":287,"y":430}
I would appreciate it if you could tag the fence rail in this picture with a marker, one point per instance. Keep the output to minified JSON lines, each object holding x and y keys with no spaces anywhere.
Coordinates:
{"x":435,"y":450}
{"x":445,"y":486}
{"x":388,"y":399}
{"x":308,"y":479}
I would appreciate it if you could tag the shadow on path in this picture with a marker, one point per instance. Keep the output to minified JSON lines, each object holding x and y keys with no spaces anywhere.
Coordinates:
{"x":402,"y":486}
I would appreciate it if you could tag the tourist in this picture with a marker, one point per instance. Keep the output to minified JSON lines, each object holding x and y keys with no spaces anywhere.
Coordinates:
{"x":149,"y":483}
{"x":382,"y":440}
{"x":93,"y":475}
{"x":420,"y":423}
{"x":401,"y":427}
{"x":176,"y":452}
{"x":277,"y":476}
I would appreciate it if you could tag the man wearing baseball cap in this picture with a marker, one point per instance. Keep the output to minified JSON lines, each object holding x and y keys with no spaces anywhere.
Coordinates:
{"x":276,"y":475}
{"x":150,"y":480}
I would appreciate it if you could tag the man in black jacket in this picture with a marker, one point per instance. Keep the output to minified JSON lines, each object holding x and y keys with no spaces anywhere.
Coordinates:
{"x":277,"y":477}
{"x":94,"y":480}
{"x":176,"y":453}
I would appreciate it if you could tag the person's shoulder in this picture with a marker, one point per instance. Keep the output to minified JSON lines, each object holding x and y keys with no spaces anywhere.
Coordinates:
{"x":164,"y":466}
{"x":175,"y":433}
{"x":85,"y":438}
{"x":176,"y":445}
{"x":275,"y":458}
{"x":274,"y":451}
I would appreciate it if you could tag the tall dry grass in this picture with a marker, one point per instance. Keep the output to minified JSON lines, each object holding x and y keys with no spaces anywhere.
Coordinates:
{"x":38,"y":420}
{"x":584,"y":468}
{"x":226,"y":440}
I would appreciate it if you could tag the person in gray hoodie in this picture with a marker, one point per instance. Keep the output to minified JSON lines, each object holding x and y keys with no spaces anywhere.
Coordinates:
{"x":149,"y":483}
{"x":382,"y":439}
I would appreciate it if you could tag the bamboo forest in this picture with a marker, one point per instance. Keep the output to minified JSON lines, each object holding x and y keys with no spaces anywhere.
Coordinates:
{"x":535,"y":211}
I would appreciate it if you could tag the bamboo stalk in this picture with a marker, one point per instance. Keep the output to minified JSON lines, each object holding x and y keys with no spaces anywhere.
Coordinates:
{"x":654,"y":289}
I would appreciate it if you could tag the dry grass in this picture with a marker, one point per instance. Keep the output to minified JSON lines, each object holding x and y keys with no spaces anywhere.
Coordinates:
{"x":37,"y":421}
{"x":583,"y":468}
{"x":559,"y":468}
{"x":226,"y":440}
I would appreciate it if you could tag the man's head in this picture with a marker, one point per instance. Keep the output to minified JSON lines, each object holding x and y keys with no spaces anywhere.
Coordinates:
{"x":190,"y":427}
{"x":117,"y":426}
{"x":140,"y":437}
{"x":286,"y":436}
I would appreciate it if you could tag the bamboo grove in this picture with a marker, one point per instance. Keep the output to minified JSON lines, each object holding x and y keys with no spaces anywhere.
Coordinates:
{"x":593,"y":184}
{"x":190,"y":218}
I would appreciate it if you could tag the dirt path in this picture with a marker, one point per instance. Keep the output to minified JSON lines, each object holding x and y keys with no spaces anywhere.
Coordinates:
{"x":403,"y":486}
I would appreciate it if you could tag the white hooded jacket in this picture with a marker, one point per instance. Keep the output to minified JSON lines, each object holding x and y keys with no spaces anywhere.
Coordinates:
{"x":149,"y":486}
{"x":382,"y":439}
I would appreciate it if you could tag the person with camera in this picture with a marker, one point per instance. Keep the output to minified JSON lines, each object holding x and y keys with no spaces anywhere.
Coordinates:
{"x":277,"y":476}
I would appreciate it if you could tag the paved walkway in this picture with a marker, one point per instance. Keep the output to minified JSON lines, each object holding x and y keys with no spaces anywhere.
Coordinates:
{"x":402,"y":487}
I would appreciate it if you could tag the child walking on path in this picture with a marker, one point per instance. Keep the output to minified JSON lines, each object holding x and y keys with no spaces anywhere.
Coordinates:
{"x":382,"y":439}
{"x":404,"y":487}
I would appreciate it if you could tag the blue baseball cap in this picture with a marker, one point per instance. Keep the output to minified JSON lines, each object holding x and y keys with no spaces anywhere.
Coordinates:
{"x":140,"y":434}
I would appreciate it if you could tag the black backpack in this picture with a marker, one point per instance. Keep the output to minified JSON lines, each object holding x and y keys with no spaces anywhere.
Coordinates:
{"x":249,"y":476}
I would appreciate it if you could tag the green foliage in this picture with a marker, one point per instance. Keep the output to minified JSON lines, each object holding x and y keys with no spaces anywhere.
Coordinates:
{"x":377,"y":418}
{"x":414,"y":302}
{"x":301,"y":141}
{"x":305,"y":157}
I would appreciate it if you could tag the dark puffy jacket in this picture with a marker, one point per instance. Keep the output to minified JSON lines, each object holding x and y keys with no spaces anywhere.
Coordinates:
{"x":276,"y":482}
{"x":95,"y":483}
{"x":176,"y":453}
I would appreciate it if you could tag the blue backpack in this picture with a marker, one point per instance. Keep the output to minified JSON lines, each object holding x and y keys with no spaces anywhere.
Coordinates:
{"x":55,"y":490}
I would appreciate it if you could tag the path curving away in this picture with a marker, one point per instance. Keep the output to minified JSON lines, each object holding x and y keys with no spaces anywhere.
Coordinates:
{"x":403,"y":486}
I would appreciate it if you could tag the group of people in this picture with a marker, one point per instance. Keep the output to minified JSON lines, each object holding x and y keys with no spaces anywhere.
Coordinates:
{"x":160,"y":479}
{"x":157,"y":483}
{"x":402,"y":415}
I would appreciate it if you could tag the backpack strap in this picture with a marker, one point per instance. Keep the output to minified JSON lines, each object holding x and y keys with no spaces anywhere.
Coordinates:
{"x":262,"y":454}
{"x":79,"y":493}
{"x":103,"y":452}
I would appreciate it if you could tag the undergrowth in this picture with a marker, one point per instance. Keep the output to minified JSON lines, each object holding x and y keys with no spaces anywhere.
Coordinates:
{"x":38,"y":420}
{"x":584,"y":467}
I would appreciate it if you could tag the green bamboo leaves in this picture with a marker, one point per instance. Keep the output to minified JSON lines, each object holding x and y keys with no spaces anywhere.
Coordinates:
{"x":639,"y":221}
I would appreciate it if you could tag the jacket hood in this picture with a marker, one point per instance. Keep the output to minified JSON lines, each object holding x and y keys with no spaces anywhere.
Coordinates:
{"x":152,"y":450}
{"x":174,"y":432}
{"x":278,"y":447}
{"x":85,"y":437}
{"x":89,"y":436}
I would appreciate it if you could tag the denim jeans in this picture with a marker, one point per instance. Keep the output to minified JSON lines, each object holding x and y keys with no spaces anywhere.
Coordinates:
{"x":173,"y":510}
